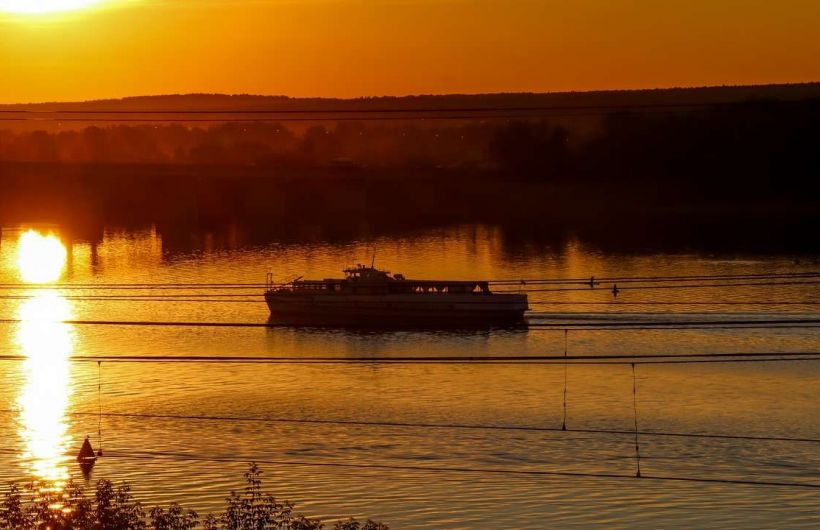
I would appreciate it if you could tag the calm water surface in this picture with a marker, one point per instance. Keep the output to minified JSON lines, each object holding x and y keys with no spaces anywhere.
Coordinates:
{"x":50,"y":403}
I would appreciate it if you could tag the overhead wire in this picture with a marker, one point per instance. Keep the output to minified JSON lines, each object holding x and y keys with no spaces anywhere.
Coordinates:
{"x":322,"y":119}
{"x":449,"y":469}
{"x":601,"y":320}
{"x":668,"y":278}
{"x":190,"y":457}
{"x":804,"y":323}
{"x":487,"y":359}
{"x":250,"y":116}
{"x":425,"y":425}
{"x":351,"y":110}
{"x":650,"y":287}
{"x":678,"y":302}
{"x":516,"y":282}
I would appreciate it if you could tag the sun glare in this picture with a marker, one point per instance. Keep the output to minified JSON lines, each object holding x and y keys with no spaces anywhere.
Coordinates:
{"x":40,"y":258}
{"x":43,"y":6}
{"x":47,"y":344}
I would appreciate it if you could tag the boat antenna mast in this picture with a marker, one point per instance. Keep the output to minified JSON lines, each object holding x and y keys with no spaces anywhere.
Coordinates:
{"x":373,"y":261}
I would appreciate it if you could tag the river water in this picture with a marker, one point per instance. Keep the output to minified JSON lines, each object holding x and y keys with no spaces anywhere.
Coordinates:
{"x":50,"y":403}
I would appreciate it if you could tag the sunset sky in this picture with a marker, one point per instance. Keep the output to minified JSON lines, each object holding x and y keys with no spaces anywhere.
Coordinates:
{"x":350,"y":48}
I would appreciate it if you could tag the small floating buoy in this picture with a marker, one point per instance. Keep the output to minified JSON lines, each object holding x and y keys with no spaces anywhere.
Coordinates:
{"x":592,"y":282}
{"x":86,"y":455}
{"x":615,"y":290}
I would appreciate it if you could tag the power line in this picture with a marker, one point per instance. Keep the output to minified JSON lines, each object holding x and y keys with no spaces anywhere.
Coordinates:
{"x":324,"y":119}
{"x":147,"y":285}
{"x":533,"y":281}
{"x":89,"y":292}
{"x":611,"y":322}
{"x":635,"y":408}
{"x":180,"y":297}
{"x":708,"y":361}
{"x":511,"y":359}
{"x":125,"y":296}
{"x":521,"y":289}
{"x":188,"y":457}
{"x":633,"y":316}
{"x":141,"y":300}
{"x":258,"y":298}
{"x":454,"y":426}
{"x":362,"y":116}
{"x":581,"y":326}
{"x":661,"y":327}
{"x":124,"y":287}
{"x":234,"y":298}
{"x":797,"y":280}
{"x":628,"y":279}
{"x":443,"y":469}
{"x":394,"y":110}
{"x":676,"y":303}
{"x":593,"y":282}
{"x":646,"y":287}
{"x":151,"y":323}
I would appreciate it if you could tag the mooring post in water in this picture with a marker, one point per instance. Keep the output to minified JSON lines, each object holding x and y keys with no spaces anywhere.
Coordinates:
{"x":99,"y":408}
{"x":635,"y":411}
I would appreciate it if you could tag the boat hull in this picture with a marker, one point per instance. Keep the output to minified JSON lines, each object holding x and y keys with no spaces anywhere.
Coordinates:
{"x":395,"y":310}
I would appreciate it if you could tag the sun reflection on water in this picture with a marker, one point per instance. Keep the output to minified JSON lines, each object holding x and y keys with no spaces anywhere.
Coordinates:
{"x":46,"y":343}
{"x":40,"y":258}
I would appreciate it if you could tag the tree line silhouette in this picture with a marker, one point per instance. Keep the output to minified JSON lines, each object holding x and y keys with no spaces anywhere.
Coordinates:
{"x":751,"y":168}
{"x":764,"y":145}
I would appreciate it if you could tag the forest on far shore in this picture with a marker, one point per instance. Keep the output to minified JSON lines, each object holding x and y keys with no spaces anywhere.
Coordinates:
{"x":741,"y":147}
{"x":753,"y":160}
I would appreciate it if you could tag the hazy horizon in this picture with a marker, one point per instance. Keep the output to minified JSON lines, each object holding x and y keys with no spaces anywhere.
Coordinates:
{"x":345,"y":49}
{"x":648,"y":89}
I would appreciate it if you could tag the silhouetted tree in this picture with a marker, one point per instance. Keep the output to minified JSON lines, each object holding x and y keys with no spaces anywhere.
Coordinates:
{"x":532,"y":150}
{"x":114,"y":508}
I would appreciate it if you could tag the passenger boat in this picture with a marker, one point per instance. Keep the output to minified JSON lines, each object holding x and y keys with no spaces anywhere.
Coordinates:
{"x":368,"y":296}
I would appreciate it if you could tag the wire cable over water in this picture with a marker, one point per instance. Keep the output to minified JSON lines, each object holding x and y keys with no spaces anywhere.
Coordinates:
{"x":190,"y":457}
{"x":590,"y":282}
{"x":600,"y":325}
{"x":466,"y":360}
{"x":450,"y":469}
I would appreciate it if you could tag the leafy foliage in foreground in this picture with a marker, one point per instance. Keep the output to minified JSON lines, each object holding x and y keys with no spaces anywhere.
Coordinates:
{"x":114,"y":508}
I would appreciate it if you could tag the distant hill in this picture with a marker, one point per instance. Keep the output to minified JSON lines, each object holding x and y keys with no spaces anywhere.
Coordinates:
{"x":670,"y":96}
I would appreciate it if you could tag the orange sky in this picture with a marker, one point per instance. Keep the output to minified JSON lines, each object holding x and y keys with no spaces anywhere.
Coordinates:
{"x":375,"y":47}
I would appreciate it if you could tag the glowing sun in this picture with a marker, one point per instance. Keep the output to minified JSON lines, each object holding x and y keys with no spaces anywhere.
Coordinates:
{"x":43,"y":6}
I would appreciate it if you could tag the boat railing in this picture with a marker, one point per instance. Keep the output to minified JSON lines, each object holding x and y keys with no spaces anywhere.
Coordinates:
{"x":360,"y":286}
{"x":272,"y":286}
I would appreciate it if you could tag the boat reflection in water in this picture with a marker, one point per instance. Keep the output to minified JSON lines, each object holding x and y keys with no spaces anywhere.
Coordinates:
{"x":46,"y":343}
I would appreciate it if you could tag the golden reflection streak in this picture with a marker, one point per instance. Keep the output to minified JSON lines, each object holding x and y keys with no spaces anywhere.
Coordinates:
{"x":40,"y":258}
{"x":47,"y":344}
